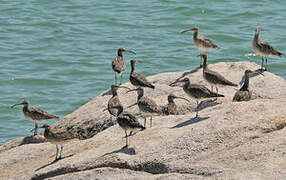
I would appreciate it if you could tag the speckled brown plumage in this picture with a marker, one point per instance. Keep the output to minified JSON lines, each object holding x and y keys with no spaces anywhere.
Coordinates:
{"x":118,"y":63}
{"x":197,"y":91}
{"x":147,"y":105}
{"x":35,"y":114}
{"x":244,"y":94}
{"x":263,"y":49}
{"x":202,"y":43}
{"x":214,"y":78}
{"x":128,"y":121}
{"x":57,"y":137}
{"x":171,"y":108}
{"x":137,"y":79}
{"x":114,"y":106}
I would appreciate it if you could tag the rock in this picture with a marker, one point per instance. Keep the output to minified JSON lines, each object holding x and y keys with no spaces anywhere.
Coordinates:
{"x":230,"y":140}
{"x":21,"y":141}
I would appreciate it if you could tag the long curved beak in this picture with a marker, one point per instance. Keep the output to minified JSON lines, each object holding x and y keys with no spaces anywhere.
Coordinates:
{"x":182,"y":98}
{"x":187,"y":30}
{"x":16,"y":105}
{"x":175,"y":82}
{"x":130,"y":51}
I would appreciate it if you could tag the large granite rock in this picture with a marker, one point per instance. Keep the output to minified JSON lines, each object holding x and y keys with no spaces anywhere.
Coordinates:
{"x":230,"y":140}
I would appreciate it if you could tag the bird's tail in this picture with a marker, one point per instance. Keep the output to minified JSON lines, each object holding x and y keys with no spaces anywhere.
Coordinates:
{"x":279,"y":54}
{"x":152,"y":86}
{"x":142,"y":127}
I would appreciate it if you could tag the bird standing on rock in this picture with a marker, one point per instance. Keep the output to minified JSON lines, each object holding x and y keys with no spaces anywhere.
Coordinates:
{"x":214,"y":78}
{"x":244,"y":94}
{"x":35,"y":115}
{"x":127,"y":121}
{"x":114,"y":106}
{"x":202,"y":43}
{"x":197,"y":91}
{"x":147,"y":105}
{"x":118,"y":63}
{"x":137,"y":79}
{"x":57,"y":137}
{"x":171,"y":108}
{"x":263,"y":49}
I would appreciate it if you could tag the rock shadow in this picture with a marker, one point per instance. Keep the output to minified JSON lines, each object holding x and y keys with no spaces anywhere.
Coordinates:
{"x":190,"y":121}
{"x":207,"y":103}
{"x":54,"y":161}
{"x":108,"y":92}
{"x":126,"y":150}
{"x":255,"y":73}
{"x":33,"y":139}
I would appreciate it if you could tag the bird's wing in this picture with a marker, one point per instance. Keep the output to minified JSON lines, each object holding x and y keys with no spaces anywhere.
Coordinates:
{"x":217,"y":78}
{"x":131,"y":120}
{"x":200,"y":91}
{"x":149,"y":105}
{"x":140,"y":80}
{"x":41,"y":114}
{"x":207,"y":42}
{"x":118,"y":64}
{"x":265,"y":47}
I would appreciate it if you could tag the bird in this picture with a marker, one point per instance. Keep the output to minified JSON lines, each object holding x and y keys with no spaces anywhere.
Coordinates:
{"x":128,"y":121}
{"x":35,"y":115}
{"x":214,"y":78}
{"x":114,"y":106}
{"x":171,"y":108}
{"x":263,"y":49}
{"x":197,"y":91}
{"x":137,"y":79}
{"x":118,"y":63}
{"x":244,"y":94}
{"x":146,"y":105}
{"x":57,"y":137}
{"x":202,"y":43}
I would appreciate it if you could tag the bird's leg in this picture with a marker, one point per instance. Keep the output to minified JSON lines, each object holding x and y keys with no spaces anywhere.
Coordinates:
{"x":212,"y":87}
{"x":57,"y":152}
{"x":151,"y":122}
{"x":115,"y":78}
{"x":121,"y":75}
{"x":130,"y":134}
{"x":144,"y":121}
{"x":216,"y":93}
{"x":262,"y":59}
{"x":201,"y":59}
{"x":36,"y":129}
{"x":126,"y":138}
{"x":197,"y":113}
{"x":266,"y":63}
{"x":62,"y":147}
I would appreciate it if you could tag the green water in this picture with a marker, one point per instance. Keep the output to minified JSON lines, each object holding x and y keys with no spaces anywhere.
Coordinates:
{"x":57,"y":54}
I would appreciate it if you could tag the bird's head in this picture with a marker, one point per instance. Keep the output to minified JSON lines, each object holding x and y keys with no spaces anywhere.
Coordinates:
{"x":25,"y":103}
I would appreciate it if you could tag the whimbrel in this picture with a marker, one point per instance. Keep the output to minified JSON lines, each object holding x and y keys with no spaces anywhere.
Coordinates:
{"x":137,"y":79}
{"x":172,"y":107}
{"x":57,"y":137}
{"x":147,"y":105}
{"x":197,"y":91}
{"x":34,"y":114}
{"x":214,"y":78}
{"x":118,"y":63}
{"x":262,"y":48}
{"x":114,"y":106}
{"x":202,"y":43}
{"x":244,"y":94}
{"x":127,"y":122}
